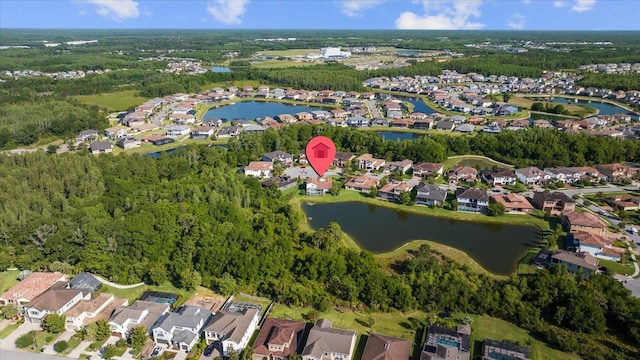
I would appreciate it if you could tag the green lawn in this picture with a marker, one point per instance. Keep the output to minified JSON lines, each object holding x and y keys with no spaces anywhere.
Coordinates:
{"x":73,"y":343}
{"x":115,"y":101}
{"x":45,"y":338}
{"x":524,"y":265}
{"x":616,"y":267}
{"x":487,"y":327}
{"x":8,"y":330}
{"x":134,"y":293}
{"x":473,"y":160}
{"x":8,"y":279}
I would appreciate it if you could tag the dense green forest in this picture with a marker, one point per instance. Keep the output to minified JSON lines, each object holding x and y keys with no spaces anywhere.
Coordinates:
{"x":191,"y":215}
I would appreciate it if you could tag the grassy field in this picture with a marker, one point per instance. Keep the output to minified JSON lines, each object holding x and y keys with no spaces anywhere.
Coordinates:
{"x":487,"y":327}
{"x":415,"y":131}
{"x":524,"y":265}
{"x":115,"y":101}
{"x":135,"y":293}
{"x":473,"y":160}
{"x":289,"y":52}
{"x":616,"y":267}
{"x":8,"y":279}
{"x":523,"y":102}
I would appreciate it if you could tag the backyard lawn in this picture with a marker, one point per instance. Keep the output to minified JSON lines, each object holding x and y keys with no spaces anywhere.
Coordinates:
{"x":616,"y":267}
{"x":8,"y":279}
{"x":133,"y":294}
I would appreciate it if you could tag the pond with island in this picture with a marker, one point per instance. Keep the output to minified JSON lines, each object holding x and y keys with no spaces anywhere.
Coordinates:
{"x":603,"y":107}
{"x":495,"y":247}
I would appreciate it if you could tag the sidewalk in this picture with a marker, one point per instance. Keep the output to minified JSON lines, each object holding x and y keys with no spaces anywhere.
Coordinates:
{"x":65,"y":336}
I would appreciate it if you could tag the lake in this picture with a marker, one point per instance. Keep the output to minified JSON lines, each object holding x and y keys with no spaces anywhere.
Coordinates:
{"x":418,"y":105}
{"x":253,"y":109}
{"x":604,"y":108}
{"x":496,"y":247}
{"x":395,"y":136}
{"x":220,"y":69}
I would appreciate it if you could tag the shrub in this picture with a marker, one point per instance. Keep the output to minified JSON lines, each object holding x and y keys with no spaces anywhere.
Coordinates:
{"x":60,"y":346}
{"x":122,"y":343}
{"x":25,"y":340}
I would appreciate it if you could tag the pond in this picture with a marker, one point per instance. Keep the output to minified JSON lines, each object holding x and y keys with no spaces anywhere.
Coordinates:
{"x":408,"y":52}
{"x":603,"y":108}
{"x":220,"y":69}
{"x":418,"y":105}
{"x":254,"y":109}
{"x":396,"y":136}
{"x":496,"y":247}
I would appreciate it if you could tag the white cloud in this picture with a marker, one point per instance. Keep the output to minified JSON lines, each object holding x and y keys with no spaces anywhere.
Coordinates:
{"x":354,"y":8}
{"x":443,"y":15}
{"x":526,"y":1}
{"x":227,"y":11}
{"x":559,"y":4}
{"x":118,"y":10}
{"x":583,"y":5}
{"x":516,"y":22}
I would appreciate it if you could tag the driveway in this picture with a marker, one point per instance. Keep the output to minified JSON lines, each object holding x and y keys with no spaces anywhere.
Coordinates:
{"x":75,"y":353}
{"x":308,"y":172}
{"x":9,"y":342}
{"x":64,"y":336}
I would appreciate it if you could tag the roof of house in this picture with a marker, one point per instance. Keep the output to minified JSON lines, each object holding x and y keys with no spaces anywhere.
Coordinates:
{"x":401,"y":163}
{"x":233,"y":324}
{"x":498,"y":173}
{"x":85,"y":282}
{"x":382,"y":347}
{"x":432,"y":192}
{"x":277,"y":332}
{"x":34,"y":285}
{"x":323,"y":338}
{"x":512,"y":200}
{"x":530,"y":171}
{"x":203,"y":129}
{"x":320,"y":183}
{"x":541,"y":196}
{"x":471,"y":193}
{"x":362,"y":181}
{"x":591,"y":239}
{"x":188,"y":316}
{"x":259,"y":166}
{"x":582,"y":259}
{"x":100,"y":145}
{"x":89,"y":305}
{"x":427,"y":166}
{"x":494,"y":349}
{"x":276,"y":155}
{"x":135,"y":310}
{"x":463,"y":170}
{"x":53,"y":299}
{"x":584,"y":219}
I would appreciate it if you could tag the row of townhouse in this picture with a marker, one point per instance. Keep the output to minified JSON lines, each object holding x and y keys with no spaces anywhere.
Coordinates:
{"x":608,"y":172}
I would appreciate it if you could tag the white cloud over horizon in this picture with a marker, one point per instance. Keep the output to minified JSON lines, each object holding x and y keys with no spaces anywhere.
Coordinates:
{"x":227,"y":11}
{"x":354,"y":8}
{"x":443,"y":15}
{"x":583,"y":5}
{"x":118,"y":10}
{"x":516,"y":22}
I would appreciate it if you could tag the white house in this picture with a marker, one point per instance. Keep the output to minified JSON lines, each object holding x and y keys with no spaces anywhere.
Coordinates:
{"x":178,"y":130}
{"x":232,"y":329}
{"x":259,"y":169}
{"x":140,"y":313}
{"x":84,"y":310}
{"x":181,"y":329}
{"x":327,"y":343}
{"x":56,"y":300}
{"x":532,"y":175}
{"x":596,"y":245}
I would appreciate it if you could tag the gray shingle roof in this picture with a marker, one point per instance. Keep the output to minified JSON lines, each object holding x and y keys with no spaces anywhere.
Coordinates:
{"x":323,"y":338}
{"x":233,"y":324}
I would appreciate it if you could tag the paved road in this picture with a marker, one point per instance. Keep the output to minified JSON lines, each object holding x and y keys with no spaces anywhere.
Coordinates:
{"x":371,"y":104}
{"x":9,"y":343}
{"x":26,"y":355}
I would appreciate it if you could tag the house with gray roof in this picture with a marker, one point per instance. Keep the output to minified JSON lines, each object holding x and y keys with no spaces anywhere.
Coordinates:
{"x":232,"y":329}
{"x":140,"y":313}
{"x":382,"y":347}
{"x":101,"y":147}
{"x":181,"y":329}
{"x":84,"y":282}
{"x":430,"y":195}
{"x":57,"y":300}
{"x":327,"y":343}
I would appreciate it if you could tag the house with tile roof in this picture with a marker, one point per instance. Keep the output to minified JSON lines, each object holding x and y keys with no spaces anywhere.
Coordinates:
{"x":232,"y":329}
{"x":30,"y":287}
{"x":426,"y":169}
{"x":278,"y":339}
{"x":586,"y":222}
{"x":327,"y":343}
{"x":513,"y":203}
{"x":383,"y":347}
{"x":596,"y":245}
{"x":368,"y":162}
{"x":575,"y":262}
{"x":181,"y":329}
{"x":361,"y":183}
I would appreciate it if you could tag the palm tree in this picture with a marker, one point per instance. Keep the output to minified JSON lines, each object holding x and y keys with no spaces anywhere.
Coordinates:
{"x":10,"y":311}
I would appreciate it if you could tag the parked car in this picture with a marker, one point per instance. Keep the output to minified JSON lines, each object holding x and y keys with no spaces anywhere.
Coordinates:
{"x":208,"y":350}
{"x":157,"y":351}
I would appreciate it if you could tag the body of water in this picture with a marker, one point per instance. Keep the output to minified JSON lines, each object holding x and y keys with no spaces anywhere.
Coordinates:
{"x":254,"y":109}
{"x":408,"y":52}
{"x":220,"y":69}
{"x":156,"y":154}
{"x":604,"y":108}
{"x":394,"y":136}
{"x":418,"y":105}
{"x":496,"y":247}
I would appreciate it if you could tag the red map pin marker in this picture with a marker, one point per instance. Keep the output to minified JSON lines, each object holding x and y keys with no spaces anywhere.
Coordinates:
{"x":320,"y":153}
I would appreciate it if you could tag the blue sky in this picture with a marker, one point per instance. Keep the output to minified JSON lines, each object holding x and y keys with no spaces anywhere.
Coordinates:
{"x":323,"y":14}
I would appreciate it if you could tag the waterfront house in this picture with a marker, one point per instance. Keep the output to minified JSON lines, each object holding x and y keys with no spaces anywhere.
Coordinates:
{"x":327,"y":343}
{"x":586,"y":222}
{"x":445,"y":125}
{"x":513,"y":203}
{"x":430,"y":195}
{"x":581,"y":263}
{"x":278,"y":339}
{"x":361,"y":183}
{"x":555,"y":203}
{"x":178,"y":130}
{"x":232,"y":328}
{"x":596,"y":245}
{"x":423,"y":124}
{"x":472,"y":200}
{"x":203,"y":132}
{"x":228,"y":131}
{"x":624,"y":202}
{"x":383,"y":347}
{"x":181,"y":329}
{"x":318,"y":186}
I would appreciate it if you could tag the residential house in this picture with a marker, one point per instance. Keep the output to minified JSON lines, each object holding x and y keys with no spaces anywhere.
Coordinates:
{"x":596,"y":245}
{"x":380,"y":122}
{"x":430,"y":195}
{"x":502,"y":350}
{"x":576,"y":263}
{"x":285,"y":118}
{"x":278,"y":157}
{"x":181,"y":119}
{"x":472,"y":200}
{"x":464,"y":174}
{"x":423,"y":124}
{"x":116,"y":132}
{"x":555,"y":203}
{"x":446,"y":344}
{"x":129,"y":142}
{"x":30,"y":287}
{"x":392,"y":190}
{"x":357,"y":121}
{"x":281,"y":182}
{"x":85,"y":311}
{"x":361,"y":183}
{"x":178,"y":130}
{"x":342,"y":159}
{"x":229,"y":131}
{"x":532,"y":175}
{"x":624,"y":202}
{"x":465,"y":128}
{"x":400,"y":166}
{"x":499,"y":177}
{"x":158,"y":140}
{"x":368,"y":162}
{"x":100,"y":147}
{"x":253,"y":128}
{"x":383,"y":347}
{"x":232,"y":329}
{"x":585,"y":222}
{"x":181,"y":329}
{"x":327,"y":343}
{"x":513,"y":203}
{"x":445,"y":125}
{"x":259,"y":169}
{"x":562,"y":174}
{"x":203,"y":132}
{"x":278,"y":339}
{"x":616,"y":172}
{"x":56,"y":300}
{"x":87,"y":136}
{"x":84,"y":282}
{"x":318,"y":186}
{"x":140,"y":313}
{"x":426,"y":169}
{"x":215,"y":122}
